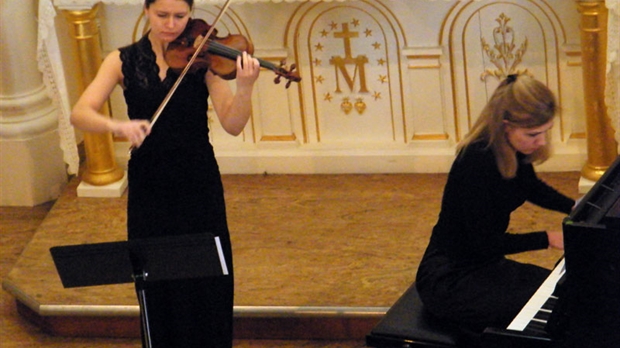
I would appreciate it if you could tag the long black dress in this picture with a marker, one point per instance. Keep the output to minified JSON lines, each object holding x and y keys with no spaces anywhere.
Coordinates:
{"x":175,"y":189}
{"x":464,"y":276}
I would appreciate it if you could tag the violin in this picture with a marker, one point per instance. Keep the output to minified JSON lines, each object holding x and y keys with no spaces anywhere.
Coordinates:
{"x":218,"y":55}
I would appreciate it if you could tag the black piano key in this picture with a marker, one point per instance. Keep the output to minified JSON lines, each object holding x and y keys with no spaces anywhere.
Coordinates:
{"x":536,"y":326}
{"x":543,"y":315}
{"x":539,"y":321}
{"x":550,"y":303}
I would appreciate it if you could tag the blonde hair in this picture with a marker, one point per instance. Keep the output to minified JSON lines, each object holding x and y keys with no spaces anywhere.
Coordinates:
{"x":521,"y":101}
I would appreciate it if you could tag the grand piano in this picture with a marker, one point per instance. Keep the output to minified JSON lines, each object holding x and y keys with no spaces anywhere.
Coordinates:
{"x":578,"y":305}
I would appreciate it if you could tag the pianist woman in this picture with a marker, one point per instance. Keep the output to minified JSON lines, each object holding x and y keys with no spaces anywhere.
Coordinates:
{"x":464,"y":277}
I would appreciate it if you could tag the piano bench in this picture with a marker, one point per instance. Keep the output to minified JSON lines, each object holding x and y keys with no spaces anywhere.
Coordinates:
{"x":407,"y":325}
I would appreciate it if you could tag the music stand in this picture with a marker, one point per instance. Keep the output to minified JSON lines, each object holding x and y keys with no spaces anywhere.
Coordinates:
{"x":140,"y":261}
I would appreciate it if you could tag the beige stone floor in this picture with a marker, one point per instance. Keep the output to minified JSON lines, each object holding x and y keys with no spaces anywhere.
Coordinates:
{"x":319,"y":240}
{"x":17,"y":228}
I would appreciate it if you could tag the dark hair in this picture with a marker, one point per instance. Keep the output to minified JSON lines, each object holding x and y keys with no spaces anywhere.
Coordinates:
{"x":147,"y":3}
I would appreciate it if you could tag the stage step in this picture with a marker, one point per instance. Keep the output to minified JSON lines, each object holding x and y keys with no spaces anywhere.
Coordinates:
{"x":250,"y":322}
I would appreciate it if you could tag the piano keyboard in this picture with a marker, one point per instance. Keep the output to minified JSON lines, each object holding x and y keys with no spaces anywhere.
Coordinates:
{"x":533,"y":316}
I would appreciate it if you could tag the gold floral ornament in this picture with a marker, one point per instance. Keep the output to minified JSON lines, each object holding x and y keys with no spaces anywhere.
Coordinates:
{"x":503,"y":54}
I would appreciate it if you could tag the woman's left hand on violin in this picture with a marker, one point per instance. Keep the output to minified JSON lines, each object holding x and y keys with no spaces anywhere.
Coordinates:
{"x":248,"y":68}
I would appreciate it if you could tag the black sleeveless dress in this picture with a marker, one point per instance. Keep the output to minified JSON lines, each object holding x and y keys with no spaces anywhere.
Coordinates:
{"x":175,"y":189}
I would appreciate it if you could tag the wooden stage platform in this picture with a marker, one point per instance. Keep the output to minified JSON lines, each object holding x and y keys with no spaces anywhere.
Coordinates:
{"x":315,"y":256}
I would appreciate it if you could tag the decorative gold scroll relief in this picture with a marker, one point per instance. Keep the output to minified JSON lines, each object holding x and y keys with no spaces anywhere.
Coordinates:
{"x":504,"y":54}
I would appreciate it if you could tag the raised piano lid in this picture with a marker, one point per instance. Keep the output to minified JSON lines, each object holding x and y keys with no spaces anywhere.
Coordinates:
{"x":601,"y":198}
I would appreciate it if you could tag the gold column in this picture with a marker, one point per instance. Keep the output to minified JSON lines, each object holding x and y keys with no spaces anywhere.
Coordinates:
{"x":101,"y":166}
{"x":602,"y":147}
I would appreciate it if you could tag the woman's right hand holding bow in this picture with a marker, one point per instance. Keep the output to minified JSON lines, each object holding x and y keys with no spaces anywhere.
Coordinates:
{"x":134,"y":131}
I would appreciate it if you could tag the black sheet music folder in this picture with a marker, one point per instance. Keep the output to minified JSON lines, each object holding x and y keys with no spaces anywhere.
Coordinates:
{"x":164,"y":258}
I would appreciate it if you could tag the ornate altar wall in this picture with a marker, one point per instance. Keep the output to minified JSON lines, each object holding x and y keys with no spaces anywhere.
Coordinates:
{"x":387,"y":85}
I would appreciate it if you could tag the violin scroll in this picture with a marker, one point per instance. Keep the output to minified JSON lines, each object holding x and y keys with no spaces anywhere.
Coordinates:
{"x":291,"y":75}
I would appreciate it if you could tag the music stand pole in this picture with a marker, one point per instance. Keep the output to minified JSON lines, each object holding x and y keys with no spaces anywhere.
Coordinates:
{"x":146,"y":329}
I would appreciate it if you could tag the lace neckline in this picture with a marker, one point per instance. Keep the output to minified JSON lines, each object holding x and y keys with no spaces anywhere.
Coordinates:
{"x":152,"y":57}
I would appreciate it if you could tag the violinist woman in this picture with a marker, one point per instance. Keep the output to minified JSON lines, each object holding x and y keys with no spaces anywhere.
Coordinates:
{"x":174,"y":181}
{"x":464,"y":277}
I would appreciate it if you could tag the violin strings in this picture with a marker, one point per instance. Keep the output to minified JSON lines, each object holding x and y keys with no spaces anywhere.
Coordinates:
{"x":232,"y":53}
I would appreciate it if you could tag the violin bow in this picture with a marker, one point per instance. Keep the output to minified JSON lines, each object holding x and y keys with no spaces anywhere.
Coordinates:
{"x":163,"y":104}
{"x":176,"y":84}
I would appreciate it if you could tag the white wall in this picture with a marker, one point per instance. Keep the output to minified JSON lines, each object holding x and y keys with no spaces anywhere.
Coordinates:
{"x":422,"y":62}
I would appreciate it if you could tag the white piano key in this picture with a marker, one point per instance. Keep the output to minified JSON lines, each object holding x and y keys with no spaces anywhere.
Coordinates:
{"x":539,"y":298}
